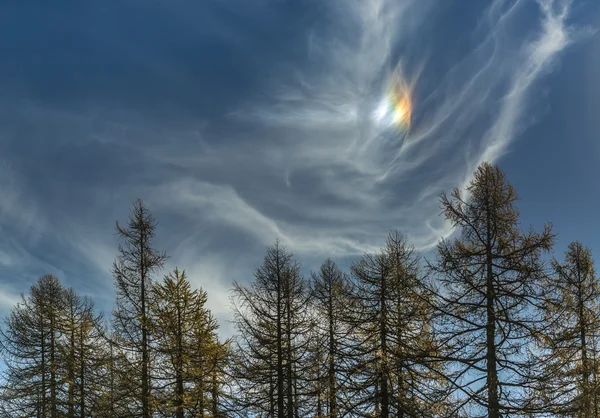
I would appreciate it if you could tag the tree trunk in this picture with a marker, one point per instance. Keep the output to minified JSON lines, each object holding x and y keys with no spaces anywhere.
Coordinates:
{"x":201,"y":399}
{"x":145,"y":360}
{"x":43,"y":367}
{"x":179,"y":377}
{"x":215,"y":390}
{"x":271,"y":394}
{"x":401,"y":407}
{"x":280,"y":383}
{"x":296,"y":395}
{"x":71,"y":374}
{"x":385,"y":396}
{"x":81,"y":374}
{"x":400,"y":382}
{"x":586,"y":407}
{"x":492,"y":372}
{"x":332,"y":398}
{"x":289,"y":360}
{"x":53,"y":399}
{"x":112,"y":379}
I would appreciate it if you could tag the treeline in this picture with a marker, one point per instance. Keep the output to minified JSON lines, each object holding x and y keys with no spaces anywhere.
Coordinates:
{"x":494,"y":326}
{"x":158,"y":355}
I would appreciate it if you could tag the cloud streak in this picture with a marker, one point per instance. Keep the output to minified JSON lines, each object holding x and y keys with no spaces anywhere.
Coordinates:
{"x":295,"y":154}
{"x":469,"y":113}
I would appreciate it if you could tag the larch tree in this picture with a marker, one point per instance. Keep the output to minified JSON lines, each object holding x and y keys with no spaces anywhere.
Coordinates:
{"x":81,"y":352}
{"x":173,"y":310}
{"x":331,"y":296}
{"x":416,"y":379}
{"x":571,"y":336}
{"x":133,"y":271}
{"x":371,"y":393}
{"x":272,"y":318}
{"x":208,"y":360}
{"x":30,"y":344}
{"x":392,"y":323}
{"x":190,"y":355}
{"x":113,"y":384}
{"x":490,"y":295}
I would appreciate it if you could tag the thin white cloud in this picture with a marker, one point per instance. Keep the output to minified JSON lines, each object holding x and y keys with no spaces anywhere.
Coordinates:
{"x":17,"y":209}
{"x":314,"y":169}
{"x":8,"y":298}
{"x":205,"y":203}
{"x":472,"y":115}
{"x":536,"y":58}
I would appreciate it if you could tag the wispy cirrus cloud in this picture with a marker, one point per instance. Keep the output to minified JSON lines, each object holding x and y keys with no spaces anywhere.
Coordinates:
{"x":17,"y":209}
{"x":465,"y":114}
{"x":229,"y":161}
{"x":8,"y":298}
{"x":315,"y":146}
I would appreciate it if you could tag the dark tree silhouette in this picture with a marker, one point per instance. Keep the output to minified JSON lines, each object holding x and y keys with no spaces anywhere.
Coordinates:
{"x":272,"y":318}
{"x":136,"y":263}
{"x":490,"y":281}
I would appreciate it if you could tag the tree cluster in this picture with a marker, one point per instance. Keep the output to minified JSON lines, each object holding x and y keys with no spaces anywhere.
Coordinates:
{"x":158,"y":355}
{"x":492,"y":326}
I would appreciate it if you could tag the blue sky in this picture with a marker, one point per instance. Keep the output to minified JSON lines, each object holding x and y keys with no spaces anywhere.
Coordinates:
{"x":239,"y":122}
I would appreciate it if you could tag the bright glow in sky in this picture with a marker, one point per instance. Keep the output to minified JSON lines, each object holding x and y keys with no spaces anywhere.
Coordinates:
{"x":395,"y":109}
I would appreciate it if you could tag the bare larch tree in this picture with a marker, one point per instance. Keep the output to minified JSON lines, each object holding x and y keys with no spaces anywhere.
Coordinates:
{"x":133,"y":270}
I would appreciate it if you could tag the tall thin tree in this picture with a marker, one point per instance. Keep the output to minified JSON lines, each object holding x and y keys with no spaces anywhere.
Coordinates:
{"x":81,"y":352}
{"x":571,"y":335}
{"x":331,"y":297}
{"x":490,"y":292}
{"x":133,"y":271}
{"x":272,"y":318}
{"x":191,"y":356}
{"x":30,"y":344}
{"x":392,"y":323}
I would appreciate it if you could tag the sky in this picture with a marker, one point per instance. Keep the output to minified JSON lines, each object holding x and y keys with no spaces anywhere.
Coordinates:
{"x":323,"y":123}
